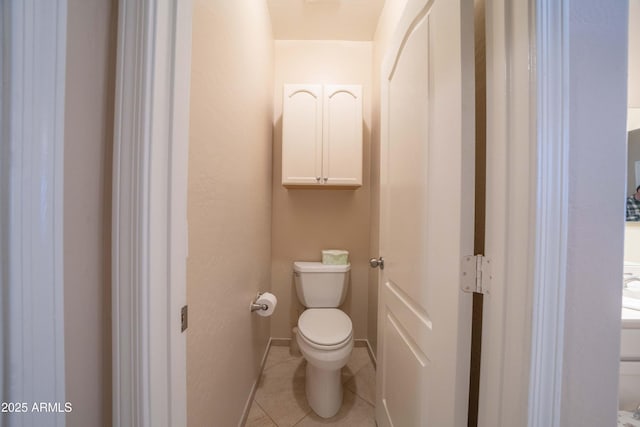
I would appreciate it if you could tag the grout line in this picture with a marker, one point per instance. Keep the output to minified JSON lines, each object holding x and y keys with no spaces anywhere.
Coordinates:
{"x":365,"y":401}
{"x":302,"y":419}
{"x":353,"y":378}
{"x":361,"y":368}
{"x":290,"y":358}
{"x":282,"y":361}
{"x":265,"y":412}
{"x":361,"y":397}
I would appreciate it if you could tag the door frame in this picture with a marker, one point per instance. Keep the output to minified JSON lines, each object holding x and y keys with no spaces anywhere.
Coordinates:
{"x":530,"y":129}
{"x":516,"y":105}
{"x":510,"y":233}
{"x":32,"y":100}
{"x":150,"y":212}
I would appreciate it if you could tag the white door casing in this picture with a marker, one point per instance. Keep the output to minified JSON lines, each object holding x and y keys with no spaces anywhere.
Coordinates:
{"x":548,"y":128}
{"x":511,"y":184}
{"x":149,"y":212}
{"x":427,"y":204}
{"x":31,"y":209}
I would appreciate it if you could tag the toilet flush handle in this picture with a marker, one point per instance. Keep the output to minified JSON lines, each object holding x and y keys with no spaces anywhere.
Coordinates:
{"x":377,"y":262}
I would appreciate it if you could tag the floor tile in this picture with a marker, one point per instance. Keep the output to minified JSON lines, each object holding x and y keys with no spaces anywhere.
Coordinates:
{"x":280,"y":399}
{"x":358,"y":360}
{"x":279,"y":354}
{"x":355,"y":412}
{"x":258,"y":418}
{"x":363,"y":384}
{"x":281,"y":392}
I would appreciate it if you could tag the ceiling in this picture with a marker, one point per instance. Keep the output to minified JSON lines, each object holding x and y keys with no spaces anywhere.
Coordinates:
{"x":324,"y":19}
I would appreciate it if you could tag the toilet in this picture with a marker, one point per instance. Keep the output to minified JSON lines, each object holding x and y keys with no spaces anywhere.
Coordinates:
{"x":325,"y":333}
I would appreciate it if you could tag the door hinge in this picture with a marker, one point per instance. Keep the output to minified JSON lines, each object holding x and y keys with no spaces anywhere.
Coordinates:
{"x":184,"y":318}
{"x":476,"y":274}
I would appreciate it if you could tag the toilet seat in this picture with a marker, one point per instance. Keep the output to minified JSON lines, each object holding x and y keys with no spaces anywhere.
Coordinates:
{"x":325,"y":347}
{"x":325,"y":328}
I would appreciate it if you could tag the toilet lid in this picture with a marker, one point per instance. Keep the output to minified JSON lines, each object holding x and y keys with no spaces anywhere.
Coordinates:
{"x":325,"y":326}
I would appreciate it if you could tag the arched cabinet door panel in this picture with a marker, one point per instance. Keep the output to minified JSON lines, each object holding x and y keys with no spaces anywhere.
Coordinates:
{"x":302,"y":135}
{"x":342,"y":135}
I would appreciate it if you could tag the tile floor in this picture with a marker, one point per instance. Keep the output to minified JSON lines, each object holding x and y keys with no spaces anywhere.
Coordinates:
{"x":280,"y":398}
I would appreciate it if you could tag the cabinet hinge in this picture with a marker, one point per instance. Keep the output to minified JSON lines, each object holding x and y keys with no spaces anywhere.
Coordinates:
{"x":476,"y":274}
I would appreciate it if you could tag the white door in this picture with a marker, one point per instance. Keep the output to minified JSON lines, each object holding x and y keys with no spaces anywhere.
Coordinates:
{"x":427,"y":203}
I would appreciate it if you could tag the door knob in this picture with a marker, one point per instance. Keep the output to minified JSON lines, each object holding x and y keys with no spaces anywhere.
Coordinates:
{"x":377,"y":262}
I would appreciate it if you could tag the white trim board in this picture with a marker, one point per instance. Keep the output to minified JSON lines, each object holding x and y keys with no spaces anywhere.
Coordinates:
{"x":149,"y":212}
{"x":552,"y":203}
{"x":510,"y":233}
{"x":34,"y":57}
{"x":538,"y":312}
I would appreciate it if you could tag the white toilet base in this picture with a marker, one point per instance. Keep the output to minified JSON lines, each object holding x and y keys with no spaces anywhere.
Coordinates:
{"x":323,"y":383}
{"x":324,"y":390}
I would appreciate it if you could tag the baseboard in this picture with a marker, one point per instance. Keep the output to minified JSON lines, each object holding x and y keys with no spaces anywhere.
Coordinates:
{"x":365,"y":343}
{"x":358,"y":342}
{"x":252,"y":394}
{"x":280,"y":342}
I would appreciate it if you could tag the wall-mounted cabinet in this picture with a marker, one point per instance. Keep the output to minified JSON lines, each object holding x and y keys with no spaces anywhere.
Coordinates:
{"x":322,"y":136}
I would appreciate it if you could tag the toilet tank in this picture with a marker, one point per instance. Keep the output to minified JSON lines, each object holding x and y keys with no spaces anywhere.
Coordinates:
{"x":321,"y":285}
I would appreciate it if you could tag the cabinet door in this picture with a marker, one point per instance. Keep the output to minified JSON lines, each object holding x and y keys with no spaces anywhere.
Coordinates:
{"x":302,"y":135}
{"x":342,"y":135}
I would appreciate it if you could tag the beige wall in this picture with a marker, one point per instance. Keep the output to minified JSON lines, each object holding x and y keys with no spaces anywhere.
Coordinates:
{"x":229,"y":205}
{"x":89,"y":103}
{"x":386,"y":25}
{"x":307,"y":221}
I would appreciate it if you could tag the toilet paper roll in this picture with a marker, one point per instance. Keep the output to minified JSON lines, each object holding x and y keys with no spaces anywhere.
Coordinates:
{"x":270,"y":301}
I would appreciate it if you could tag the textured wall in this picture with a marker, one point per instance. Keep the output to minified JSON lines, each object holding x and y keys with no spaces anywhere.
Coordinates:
{"x":229,"y":205}
{"x":307,"y":221}
{"x":91,"y":44}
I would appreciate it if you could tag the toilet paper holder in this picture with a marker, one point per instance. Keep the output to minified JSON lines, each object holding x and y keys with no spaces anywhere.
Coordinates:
{"x":255,"y":306}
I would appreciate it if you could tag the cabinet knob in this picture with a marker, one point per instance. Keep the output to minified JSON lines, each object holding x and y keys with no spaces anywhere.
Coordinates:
{"x":326,"y":179}
{"x":317,"y":179}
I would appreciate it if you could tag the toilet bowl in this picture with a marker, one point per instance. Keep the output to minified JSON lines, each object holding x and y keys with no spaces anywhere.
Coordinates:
{"x":325,"y":339}
{"x":325,"y":333}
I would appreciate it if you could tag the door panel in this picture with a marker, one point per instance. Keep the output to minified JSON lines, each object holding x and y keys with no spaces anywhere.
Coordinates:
{"x":342,"y":161}
{"x":426,"y":219}
{"x":302,"y":134}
